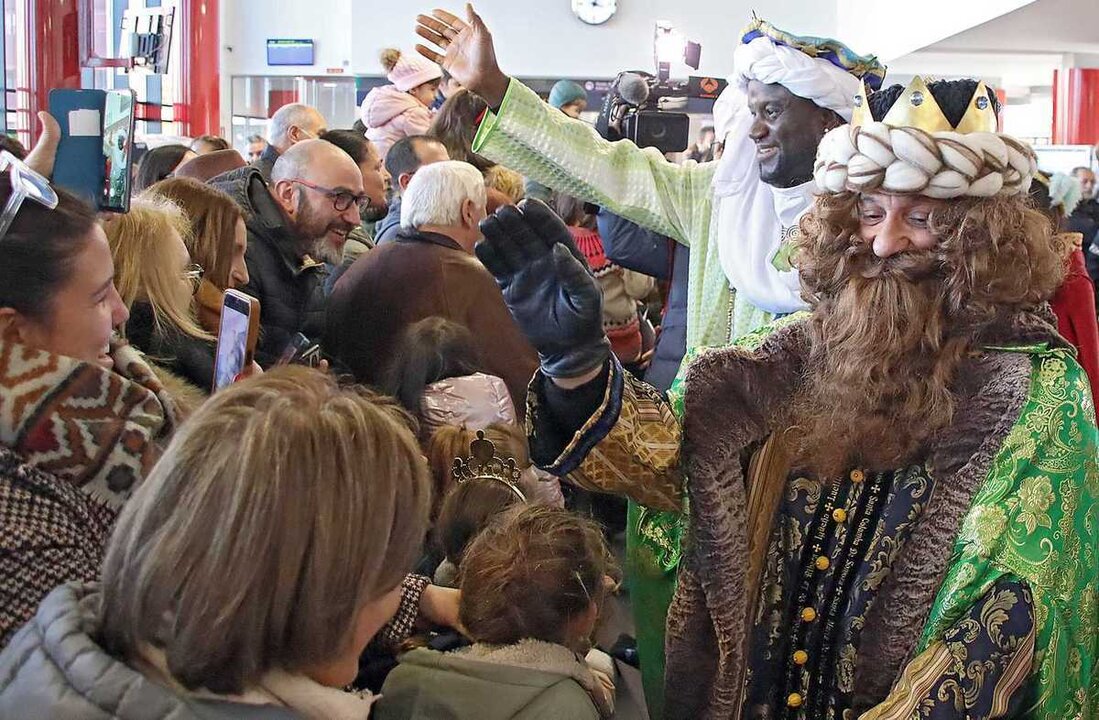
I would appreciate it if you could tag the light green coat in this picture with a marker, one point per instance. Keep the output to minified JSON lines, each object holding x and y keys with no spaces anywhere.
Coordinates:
{"x":547,"y":146}
{"x":528,"y":681}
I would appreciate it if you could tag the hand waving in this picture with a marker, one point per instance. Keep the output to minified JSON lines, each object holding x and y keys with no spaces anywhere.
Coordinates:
{"x":466,"y":53}
{"x":547,"y":286}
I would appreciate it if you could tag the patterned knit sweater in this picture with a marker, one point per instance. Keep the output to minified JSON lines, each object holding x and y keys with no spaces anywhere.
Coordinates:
{"x":622,"y":291}
{"x":51,"y":532}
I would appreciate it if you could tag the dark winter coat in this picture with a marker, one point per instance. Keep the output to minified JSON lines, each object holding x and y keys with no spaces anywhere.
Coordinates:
{"x":421,"y":275}
{"x":635,"y":248}
{"x":288,"y":284}
{"x":186,"y":357}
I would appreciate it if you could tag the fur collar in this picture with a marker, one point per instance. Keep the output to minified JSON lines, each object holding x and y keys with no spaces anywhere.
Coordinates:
{"x":545,"y":657}
{"x":734,"y":400}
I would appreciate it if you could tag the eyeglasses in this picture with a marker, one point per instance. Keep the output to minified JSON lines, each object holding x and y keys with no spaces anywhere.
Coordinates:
{"x":25,"y":184}
{"x":341,"y":199}
{"x":193,"y":274}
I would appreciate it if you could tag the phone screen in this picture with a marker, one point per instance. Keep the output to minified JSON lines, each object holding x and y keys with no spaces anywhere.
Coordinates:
{"x":232,"y":349}
{"x":118,"y":126}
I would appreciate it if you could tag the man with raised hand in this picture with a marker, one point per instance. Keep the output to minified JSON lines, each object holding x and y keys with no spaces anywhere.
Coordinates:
{"x":738,"y":215}
{"x":893,"y":497}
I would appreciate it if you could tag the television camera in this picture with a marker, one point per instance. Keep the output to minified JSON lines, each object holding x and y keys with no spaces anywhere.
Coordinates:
{"x":648,"y":109}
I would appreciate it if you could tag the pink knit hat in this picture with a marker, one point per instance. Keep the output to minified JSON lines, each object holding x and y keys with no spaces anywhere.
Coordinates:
{"x":409,"y":70}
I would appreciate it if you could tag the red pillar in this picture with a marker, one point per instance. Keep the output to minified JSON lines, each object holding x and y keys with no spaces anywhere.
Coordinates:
{"x":201,"y":99}
{"x":1076,"y":106}
{"x":53,"y":27}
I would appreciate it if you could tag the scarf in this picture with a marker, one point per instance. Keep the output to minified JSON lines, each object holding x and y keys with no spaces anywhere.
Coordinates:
{"x":754,"y":218}
{"x":99,"y":429}
{"x":300,"y":693}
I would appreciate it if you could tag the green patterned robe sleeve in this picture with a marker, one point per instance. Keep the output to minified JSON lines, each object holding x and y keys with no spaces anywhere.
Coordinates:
{"x":547,"y":146}
{"x":1035,"y":518}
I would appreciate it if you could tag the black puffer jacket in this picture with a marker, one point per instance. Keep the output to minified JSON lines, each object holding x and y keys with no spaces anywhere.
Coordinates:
{"x":289,"y":285}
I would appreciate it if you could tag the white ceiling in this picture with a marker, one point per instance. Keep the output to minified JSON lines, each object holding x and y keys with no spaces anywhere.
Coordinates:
{"x":1059,"y":26}
{"x":1018,"y":50}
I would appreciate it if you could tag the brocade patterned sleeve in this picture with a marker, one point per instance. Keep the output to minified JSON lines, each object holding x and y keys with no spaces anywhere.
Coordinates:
{"x":614,"y":435}
{"x":978,"y":669}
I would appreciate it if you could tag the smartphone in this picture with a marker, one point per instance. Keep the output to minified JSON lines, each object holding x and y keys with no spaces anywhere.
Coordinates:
{"x":301,"y":351}
{"x":236,"y":338}
{"x":95,"y":156}
{"x":118,"y":150}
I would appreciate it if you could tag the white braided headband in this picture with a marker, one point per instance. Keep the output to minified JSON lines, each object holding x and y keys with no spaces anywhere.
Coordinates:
{"x":907,"y":160}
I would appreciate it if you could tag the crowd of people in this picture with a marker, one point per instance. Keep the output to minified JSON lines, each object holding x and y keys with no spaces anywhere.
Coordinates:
{"x":840,"y":361}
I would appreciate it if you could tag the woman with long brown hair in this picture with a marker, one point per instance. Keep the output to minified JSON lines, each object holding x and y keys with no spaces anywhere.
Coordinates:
{"x":218,"y":240}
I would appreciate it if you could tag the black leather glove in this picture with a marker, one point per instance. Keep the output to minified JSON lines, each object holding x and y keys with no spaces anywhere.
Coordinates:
{"x":547,"y":287}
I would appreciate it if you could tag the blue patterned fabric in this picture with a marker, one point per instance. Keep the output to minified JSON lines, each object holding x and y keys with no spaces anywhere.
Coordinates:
{"x":860,"y":531}
{"x":866,"y":67}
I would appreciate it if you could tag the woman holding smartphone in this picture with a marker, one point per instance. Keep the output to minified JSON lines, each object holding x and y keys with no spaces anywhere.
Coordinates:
{"x":84,"y":416}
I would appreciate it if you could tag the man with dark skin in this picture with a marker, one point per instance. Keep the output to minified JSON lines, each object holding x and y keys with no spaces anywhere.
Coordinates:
{"x":786,"y":132}
{"x":738,"y":215}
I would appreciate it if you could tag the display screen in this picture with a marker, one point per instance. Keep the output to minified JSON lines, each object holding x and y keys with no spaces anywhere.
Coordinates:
{"x":289,"y":52}
{"x":232,"y":350}
{"x":118,"y":125}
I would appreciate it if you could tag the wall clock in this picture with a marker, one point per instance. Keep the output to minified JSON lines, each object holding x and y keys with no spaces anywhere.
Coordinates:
{"x":594,"y":12}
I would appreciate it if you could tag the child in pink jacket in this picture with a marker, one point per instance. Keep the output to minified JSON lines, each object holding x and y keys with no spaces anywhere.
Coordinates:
{"x":392,"y":112}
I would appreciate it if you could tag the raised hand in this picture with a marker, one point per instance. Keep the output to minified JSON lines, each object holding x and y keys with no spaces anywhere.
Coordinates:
{"x":547,"y":287}
{"x":42,"y":156}
{"x":464,"y":49}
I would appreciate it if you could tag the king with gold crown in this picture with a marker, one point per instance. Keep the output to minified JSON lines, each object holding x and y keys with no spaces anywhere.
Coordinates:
{"x":893,"y":496}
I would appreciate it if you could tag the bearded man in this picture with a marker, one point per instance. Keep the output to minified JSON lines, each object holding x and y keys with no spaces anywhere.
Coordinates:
{"x":737,"y":215}
{"x":893,"y":498}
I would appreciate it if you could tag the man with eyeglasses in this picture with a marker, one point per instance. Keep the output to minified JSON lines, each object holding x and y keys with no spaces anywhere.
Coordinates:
{"x":304,"y":215}
{"x":291,"y":124}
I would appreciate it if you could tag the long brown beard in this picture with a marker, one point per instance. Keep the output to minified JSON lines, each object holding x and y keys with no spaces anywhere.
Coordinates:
{"x":881,"y":363}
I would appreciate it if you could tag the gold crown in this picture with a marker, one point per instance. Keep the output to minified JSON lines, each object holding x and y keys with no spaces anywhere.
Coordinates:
{"x":916,"y":107}
{"x":485,"y":464}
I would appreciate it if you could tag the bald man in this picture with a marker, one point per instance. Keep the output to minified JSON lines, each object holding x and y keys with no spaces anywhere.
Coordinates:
{"x":290,"y":125}
{"x":303,"y":216}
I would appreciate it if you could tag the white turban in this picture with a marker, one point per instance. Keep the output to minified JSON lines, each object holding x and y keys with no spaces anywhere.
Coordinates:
{"x":752,"y":216}
{"x":815,"y":79}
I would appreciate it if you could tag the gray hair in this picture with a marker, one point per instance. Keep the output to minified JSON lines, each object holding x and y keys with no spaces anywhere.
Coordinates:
{"x":286,"y":117}
{"x":437,"y":192}
{"x":281,"y":509}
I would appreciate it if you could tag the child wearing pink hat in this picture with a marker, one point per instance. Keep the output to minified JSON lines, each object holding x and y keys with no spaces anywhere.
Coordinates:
{"x":392,"y":112}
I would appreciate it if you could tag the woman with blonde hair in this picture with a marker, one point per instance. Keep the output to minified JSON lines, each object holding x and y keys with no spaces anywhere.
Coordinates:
{"x":218,"y":240}
{"x":157,"y":281}
{"x":265,"y":550}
